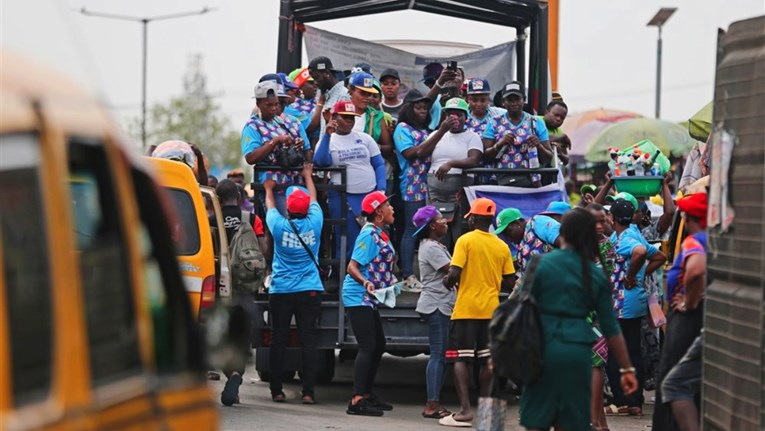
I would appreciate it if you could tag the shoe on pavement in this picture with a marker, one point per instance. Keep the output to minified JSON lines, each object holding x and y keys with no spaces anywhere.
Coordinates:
{"x":230,"y":394}
{"x":363,"y":408}
{"x":378,"y":403}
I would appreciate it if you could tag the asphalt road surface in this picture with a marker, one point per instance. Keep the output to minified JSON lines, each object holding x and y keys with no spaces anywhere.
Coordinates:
{"x":400,"y":381}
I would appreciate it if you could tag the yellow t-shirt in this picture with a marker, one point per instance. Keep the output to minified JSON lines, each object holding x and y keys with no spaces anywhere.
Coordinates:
{"x":484,"y":259}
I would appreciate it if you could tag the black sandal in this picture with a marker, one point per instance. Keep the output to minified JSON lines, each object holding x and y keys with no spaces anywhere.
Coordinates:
{"x":279,"y":397}
{"x":438,"y":414}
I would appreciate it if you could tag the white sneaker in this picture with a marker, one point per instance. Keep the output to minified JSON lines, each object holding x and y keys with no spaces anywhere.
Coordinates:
{"x":412,"y":284}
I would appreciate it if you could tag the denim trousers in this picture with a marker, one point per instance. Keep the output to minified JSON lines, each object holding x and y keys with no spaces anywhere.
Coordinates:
{"x":351,"y":210}
{"x":408,"y":242}
{"x":438,"y":334}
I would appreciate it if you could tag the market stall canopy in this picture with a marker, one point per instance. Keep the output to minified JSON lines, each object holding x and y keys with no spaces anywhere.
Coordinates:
{"x":700,"y":124}
{"x":669,"y":137}
{"x":579,"y":119}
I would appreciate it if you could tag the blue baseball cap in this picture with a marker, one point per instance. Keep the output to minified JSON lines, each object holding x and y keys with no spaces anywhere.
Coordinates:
{"x":276,"y":79}
{"x":287,"y":82}
{"x":558,"y":208}
{"x":478,"y":86}
{"x":363,"y":81}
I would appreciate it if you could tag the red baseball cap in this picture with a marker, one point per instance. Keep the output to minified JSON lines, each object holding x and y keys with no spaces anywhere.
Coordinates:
{"x":298,"y":200}
{"x":373,"y":201}
{"x":345,"y":107}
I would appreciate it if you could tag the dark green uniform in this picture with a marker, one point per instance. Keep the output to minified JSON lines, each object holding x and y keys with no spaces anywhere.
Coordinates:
{"x":562,"y":395}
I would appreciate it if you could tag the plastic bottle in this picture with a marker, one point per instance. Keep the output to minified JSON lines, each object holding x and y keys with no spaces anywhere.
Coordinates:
{"x":630,"y":167}
{"x":655,"y":171}
{"x":533,"y":157}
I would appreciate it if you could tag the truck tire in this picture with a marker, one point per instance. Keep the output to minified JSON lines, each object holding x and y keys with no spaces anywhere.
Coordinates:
{"x":325,"y":370}
{"x":287,"y":376}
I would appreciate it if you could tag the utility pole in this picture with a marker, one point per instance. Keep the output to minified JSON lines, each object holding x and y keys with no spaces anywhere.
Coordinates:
{"x":658,"y":21}
{"x":145,"y":23}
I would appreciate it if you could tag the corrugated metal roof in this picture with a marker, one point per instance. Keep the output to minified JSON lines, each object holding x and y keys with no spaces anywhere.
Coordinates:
{"x":509,"y":13}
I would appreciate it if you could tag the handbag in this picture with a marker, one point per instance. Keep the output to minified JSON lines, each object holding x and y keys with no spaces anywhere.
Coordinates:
{"x":516,"y":341}
{"x":491,"y":410}
{"x":324,"y":274}
{"x":289,"y":156}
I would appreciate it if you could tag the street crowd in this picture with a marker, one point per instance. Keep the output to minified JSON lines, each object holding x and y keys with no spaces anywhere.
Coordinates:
{"x":598,"y":286}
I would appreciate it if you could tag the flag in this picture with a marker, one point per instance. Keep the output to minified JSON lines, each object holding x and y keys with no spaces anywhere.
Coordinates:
{"x":528,"y":201}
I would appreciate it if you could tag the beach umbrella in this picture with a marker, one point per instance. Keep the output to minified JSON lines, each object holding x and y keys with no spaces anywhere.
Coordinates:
{"x":700,"y":124}
{"x":669,"y":137}
{"x":582,"y":136}
{"x":577,"y":120}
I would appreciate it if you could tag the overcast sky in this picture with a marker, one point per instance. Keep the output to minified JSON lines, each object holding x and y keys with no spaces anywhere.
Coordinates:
{"x":607,"y":54}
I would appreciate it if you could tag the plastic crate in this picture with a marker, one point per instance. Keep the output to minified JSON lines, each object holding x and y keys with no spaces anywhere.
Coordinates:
{"x":639,"y":186}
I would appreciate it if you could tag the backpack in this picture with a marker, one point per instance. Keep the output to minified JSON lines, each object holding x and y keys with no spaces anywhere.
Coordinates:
{"x":248,"y":265}
{"x":515,"y":334}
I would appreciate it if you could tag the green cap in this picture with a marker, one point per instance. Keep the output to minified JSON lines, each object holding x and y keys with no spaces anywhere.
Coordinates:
{"x":588,"y":188}
{"x":627,"y":197}
{"x":456,"y":103}
{"x":505,"y":217}
{"x":376,"y":84}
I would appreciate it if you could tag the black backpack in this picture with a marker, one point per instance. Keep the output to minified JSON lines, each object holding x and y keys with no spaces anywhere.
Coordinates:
{"x":516,"y":341}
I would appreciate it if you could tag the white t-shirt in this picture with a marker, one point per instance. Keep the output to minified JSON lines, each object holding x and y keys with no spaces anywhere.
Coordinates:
{"x":354,"y":151}
{"x":361,"y":121}
{"x":454,"y":146}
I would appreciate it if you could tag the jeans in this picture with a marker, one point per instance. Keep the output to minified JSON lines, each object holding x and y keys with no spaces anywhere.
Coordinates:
{"x":632,"y":332}
{"x":352,"y":227}
{"x":438,"y":334}
{"x":305,"y":306}
{"x":367,"y":327}
{"x":407,"y":241}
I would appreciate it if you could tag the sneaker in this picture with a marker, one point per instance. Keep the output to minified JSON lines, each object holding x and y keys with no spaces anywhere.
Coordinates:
{"x":230,"y":394}
{"x":378,"y":403}
{"x":412,"y":284}
{"x":363,"y":408}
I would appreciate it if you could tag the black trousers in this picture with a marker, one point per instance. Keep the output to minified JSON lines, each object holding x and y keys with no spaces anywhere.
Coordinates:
{"x":682,"y":329}
{"x":306,"y":307}
{"x":241,"y":313}
{"x":367,"y":327}
{"x":632,"y":332}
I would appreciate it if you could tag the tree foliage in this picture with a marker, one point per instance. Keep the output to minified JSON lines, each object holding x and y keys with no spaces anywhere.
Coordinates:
{"x":194,"y":117}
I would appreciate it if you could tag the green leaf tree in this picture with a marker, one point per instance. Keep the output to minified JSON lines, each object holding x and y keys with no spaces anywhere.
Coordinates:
{"x":194,"y":117}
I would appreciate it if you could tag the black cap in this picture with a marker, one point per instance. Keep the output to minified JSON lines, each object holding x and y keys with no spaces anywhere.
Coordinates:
{"x":514,"y":87}
{"x":414,"y":96}
{"x":321,"y":63}
{"x":622,"y":210}
{"x":393,"y":73}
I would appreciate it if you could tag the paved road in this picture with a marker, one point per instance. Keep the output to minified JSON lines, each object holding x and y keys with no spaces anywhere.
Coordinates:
{"x":401,"y":382}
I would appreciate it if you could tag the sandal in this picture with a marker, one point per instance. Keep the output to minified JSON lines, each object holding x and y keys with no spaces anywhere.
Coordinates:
{"x":438,"y":414}
{"x":308,"y":399}
{"x":635,"y":411}
{"x":613,"y":410}
{"x":279,"y":397}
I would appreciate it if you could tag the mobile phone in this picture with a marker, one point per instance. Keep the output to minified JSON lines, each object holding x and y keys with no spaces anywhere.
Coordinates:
{"x":451,"y":65}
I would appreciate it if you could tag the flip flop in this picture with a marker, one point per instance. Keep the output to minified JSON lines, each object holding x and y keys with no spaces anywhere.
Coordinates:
{"x":279,"y":397}
{"x":449,"y":421}
{"x":438,"y":414}
{"x":613,"y":410}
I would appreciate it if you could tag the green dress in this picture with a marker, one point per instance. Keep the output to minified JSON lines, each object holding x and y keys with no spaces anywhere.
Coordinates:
{"x":562,"y":395}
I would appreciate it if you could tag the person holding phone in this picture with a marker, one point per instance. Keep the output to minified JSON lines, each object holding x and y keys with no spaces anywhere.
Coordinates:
{"x":456,"y":148}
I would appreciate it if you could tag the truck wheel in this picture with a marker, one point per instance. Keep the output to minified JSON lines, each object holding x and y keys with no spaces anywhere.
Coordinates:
{"x":287,"y":376}
{"x":326,"y":366}
{"x":325,"y":370}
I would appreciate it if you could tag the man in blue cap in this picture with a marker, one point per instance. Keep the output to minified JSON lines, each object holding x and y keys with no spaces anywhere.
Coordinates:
{"x":542,"y":235}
